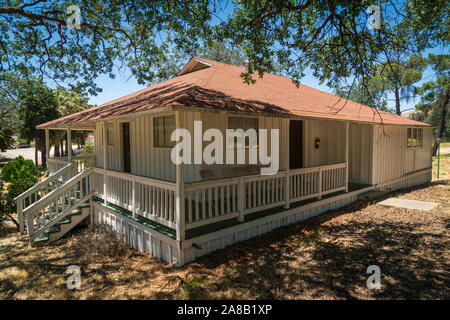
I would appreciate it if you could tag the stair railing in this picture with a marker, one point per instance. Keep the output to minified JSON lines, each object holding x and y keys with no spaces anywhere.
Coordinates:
{"x":41,"y":189}
{"x":54,"y":206}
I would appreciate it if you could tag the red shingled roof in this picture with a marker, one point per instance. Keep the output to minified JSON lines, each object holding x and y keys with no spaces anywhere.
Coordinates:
{"x":213,"y":85}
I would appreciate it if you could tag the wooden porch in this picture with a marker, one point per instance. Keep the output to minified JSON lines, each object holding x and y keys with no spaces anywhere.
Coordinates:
{"x":210,"y":205}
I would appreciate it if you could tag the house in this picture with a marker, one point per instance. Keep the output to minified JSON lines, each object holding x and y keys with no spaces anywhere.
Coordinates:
{"x":330,"y":151}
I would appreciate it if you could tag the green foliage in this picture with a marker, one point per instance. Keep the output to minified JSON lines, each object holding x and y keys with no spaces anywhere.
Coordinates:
{"x":434,"y":93}
{"x":88,"y":149}
{"x":21,"y":175}
{"x":6,"y":131}
{"x":193,"y":287}
{"x":329,"y":37}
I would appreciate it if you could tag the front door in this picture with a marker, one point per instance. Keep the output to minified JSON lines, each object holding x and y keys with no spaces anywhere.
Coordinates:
{"x":126,"y":147}
{"x":295,"y":144}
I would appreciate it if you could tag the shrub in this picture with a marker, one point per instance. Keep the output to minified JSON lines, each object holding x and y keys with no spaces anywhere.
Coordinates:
{"x":94,"y":244}
{"x":21,"y":174}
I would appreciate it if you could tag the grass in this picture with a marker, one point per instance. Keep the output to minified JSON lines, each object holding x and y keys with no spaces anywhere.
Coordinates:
{"x":445,"y":144}
{"x":444,"y":167}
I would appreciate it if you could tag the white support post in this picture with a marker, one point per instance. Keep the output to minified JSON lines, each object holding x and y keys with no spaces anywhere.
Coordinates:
{"x":91,"y":208}
{"x":133,"y":197}
{"x":240,"y":199}
{"x":286,"y":123}
{"x":179,"y":201}
{"x":105,"y":158}
{"x":346,"y":155}
{"x":320,"y":183}
{"x":69,"y":144}
{"x":47,"y":143}
{"x":20,"y":215}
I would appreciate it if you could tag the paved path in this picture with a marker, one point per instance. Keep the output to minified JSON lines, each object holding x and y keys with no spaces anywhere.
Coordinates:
{"x":445,"y":150}
{"x":28,"y":153}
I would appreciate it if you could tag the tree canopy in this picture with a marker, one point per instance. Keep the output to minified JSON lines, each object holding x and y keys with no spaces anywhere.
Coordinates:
{"x":332,"y":38}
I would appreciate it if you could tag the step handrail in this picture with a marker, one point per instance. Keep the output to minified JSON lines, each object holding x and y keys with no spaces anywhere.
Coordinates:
{"x":43,"y":182}
{"x":59,"y":193}
{"x":20,"y":199}
{"x":61,"y":216}
{"x":69,"y":183}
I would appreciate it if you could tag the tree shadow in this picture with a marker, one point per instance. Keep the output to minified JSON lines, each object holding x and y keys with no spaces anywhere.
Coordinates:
{"x":316,"y":259}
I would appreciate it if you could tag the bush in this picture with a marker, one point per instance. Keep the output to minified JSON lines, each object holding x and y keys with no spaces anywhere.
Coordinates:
{"x":95,"y":244}
{"x":22,"y":175}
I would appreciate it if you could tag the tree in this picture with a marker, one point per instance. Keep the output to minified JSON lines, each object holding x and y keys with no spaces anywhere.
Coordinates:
{"x":38,"y":104}
{"x":329,"y":37}
{"x":436,"y":95}
{"x":399,"y":76}
{"x":6,"y":130}
{"x":68,"y":102}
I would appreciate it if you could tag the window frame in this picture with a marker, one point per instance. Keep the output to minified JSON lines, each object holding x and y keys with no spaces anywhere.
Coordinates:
{"x":167,"y":143}
{"x":414,"y":138}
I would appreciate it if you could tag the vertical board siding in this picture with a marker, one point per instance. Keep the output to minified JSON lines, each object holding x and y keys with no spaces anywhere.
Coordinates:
{"x":360,"y":153}
{"x":332,"y":142}
{"x":392,"y":159}
{"x":388,"y":153}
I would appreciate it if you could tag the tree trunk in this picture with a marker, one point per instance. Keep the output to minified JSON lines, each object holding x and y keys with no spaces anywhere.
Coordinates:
{"x":67,"y":146}
{"x":397,"y":101}
{"x":443,"y":120}
{"x":56,"y":151}
{"x":44,"y":156}
{"x":36,"y":152}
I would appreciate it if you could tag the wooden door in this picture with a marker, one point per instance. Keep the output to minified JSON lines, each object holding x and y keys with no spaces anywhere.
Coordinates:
{"x":126,"y":147}
{"x":295,"y":144}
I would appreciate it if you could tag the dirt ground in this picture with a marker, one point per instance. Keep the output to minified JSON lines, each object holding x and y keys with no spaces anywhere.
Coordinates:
{"x":323,"y":258}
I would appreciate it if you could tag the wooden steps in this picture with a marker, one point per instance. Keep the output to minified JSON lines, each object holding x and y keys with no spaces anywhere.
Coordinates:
{"x":65,"y":225}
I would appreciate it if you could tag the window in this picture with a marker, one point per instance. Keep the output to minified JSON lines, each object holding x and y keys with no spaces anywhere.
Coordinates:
{"x":414,"y":138}
{"x":110,"y":134}
{"x":163,"y":128}
{"x":245,"y":124}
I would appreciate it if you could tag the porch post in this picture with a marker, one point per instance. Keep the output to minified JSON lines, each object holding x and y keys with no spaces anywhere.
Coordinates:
{"x":69,"y":144}
{"x":179,"y":201}
{"x":286,"y":123}
{"x":47,"y":143}
{"x":240,"y":200}
{"x":346,"y":154}
{"x":105,"y":158}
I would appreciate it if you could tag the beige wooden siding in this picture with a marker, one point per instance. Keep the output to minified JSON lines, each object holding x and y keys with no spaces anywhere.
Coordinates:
{"x":150,"y":161}
{"x":332,"y":142}
{"x":419,"y":158}
{"x":360,"y":153}
{"x":389,"y":144}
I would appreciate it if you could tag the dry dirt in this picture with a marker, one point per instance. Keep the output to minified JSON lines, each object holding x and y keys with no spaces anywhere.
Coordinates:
{"x":323,"y":258}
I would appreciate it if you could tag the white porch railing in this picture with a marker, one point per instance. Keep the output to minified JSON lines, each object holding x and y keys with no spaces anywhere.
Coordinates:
{"x":55,"y":205}
{"x":81,"y":162}
{"x":212,"y":201}
{"x":151,"y":198}
{"x":223,"y":199}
